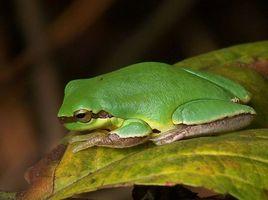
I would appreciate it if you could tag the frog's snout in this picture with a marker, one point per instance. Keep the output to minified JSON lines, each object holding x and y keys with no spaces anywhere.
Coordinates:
{"x":61,"y":119}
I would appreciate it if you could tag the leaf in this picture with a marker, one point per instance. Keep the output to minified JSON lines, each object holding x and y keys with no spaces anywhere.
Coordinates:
{"x":7,"y":195}
{"x":234,"y":163}
{"x":41,"y":176}
{"x":240,"y":55}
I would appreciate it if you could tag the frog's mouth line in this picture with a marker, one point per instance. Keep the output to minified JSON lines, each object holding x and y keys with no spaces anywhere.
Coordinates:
{"x":100,"y":115}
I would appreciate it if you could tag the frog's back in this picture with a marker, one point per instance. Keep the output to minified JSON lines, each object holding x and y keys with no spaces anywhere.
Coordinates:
{"x":150,"y":91}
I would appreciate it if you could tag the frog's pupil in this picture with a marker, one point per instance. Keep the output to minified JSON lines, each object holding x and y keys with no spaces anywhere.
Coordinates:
{"x":81,"y":115}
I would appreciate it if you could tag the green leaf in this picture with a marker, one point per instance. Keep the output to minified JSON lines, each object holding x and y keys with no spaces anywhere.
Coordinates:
{"x":241,"y":55}
{"x":234,"y":163}
{"x":7,"y":195}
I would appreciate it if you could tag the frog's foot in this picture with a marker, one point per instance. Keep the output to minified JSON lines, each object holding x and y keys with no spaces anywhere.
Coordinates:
{"x":189,"y":131}
{"x":131,"y":133}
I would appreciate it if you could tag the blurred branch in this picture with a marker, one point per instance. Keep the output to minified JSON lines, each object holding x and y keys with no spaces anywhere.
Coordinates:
{"x":80,"y":15}
{"x":4,"y":43}
{"x":76,"y":19}
{"x":194,"y":44}
{"x":45,"y":83}
{"x":158,"y":23}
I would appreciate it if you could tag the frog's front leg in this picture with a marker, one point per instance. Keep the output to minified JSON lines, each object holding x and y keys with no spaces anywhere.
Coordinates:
{"x":131,"y":133}
{"x":204,"y":117}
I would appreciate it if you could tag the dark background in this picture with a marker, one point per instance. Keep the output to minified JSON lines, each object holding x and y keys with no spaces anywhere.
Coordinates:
{"x":44,"y":44}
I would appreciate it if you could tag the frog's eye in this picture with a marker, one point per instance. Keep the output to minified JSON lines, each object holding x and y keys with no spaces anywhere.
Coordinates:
{"x":83,"y":115}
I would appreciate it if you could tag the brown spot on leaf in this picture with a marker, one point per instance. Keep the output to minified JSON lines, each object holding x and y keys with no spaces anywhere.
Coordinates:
{"x":261,"y":66}
{"x":41,"y":176}
{"x":169,"y":184}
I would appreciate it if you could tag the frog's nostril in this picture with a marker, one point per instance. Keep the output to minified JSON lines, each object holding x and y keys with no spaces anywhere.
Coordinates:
{"x":61,"y":119}
{"x":65,"y":119}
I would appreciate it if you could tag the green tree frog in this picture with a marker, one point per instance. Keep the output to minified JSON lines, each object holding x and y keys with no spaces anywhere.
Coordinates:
{"x":152,"y":101}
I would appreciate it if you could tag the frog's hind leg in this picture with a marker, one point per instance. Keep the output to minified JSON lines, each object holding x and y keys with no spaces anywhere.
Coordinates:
{"x":189,"y":131}
{"x":205,"y":117}
{"x":234,"y":88}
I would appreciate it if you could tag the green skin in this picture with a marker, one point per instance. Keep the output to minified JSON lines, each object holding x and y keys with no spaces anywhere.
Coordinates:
{"x":150,"y":96}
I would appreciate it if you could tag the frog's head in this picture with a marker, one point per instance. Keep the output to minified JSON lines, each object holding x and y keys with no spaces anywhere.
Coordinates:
{"x":80,"y":112}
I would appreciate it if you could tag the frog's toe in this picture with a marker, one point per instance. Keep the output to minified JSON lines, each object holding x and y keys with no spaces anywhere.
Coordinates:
{"x":79,"y":138}
{"x":81,"y":142}
{"x":175,"y":134}
{"x":82,"y":146}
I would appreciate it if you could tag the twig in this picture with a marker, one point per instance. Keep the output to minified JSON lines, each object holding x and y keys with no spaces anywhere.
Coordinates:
{"x":78,"y":17}
{"x":159,"y":22}
{"x":45,"y":81}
